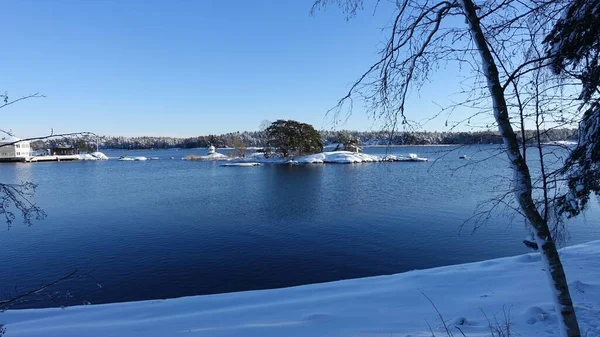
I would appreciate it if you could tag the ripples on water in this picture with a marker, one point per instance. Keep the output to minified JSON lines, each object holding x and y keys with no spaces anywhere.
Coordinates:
{"x":169,"y":228}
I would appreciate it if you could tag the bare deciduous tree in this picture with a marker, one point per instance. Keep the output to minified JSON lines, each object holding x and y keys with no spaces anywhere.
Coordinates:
{"x":18,"y":198}
{"x":239,"y":146}
{"x":500,"y":41}
{"x":264,"y":125}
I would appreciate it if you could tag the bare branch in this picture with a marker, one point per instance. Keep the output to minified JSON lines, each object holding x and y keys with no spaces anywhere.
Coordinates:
{"x":8,"y":303}
{"x":6,"y":101}
{"x":51,"y":135}
{"x":18,"y":197}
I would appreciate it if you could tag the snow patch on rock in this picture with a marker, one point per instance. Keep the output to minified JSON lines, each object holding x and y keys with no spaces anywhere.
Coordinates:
{"x":99,"y":155}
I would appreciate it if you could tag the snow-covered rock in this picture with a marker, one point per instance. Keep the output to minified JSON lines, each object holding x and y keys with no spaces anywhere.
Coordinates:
{"x":333,"y":157}
{"x":256,"y":155}
{"x":410,"y":158}
{"x":347,"y":157}
{"x":392,"y":305}
{"x":99,"y":155}
{"x":211,"y":156}
{"x":391,"y":157}
{"x":241,"y":164}
{"x":338,"y":157}
{"x":86,"y":156}
{"x":259,"y":157}
{"x":562,"y":142}
{"x":138,"y":158}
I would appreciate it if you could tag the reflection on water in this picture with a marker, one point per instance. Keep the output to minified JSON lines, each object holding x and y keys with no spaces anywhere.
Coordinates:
{"x":22,"y":172}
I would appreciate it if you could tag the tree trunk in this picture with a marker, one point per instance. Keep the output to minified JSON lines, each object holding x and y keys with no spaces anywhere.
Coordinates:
{"x":522,"y":180}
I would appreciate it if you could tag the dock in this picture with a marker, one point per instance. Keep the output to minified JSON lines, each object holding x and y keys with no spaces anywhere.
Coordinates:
{"x":37,"y":159}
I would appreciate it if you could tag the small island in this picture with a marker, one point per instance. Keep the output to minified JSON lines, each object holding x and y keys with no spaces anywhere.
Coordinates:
{"x":292,"y":142}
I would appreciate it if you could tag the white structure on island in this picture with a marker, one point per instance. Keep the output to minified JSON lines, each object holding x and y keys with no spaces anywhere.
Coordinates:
{"x":14,"y":149}
{"x":211,"y":155}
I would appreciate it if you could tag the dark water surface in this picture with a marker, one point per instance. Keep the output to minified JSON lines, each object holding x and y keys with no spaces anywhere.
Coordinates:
{"x":170,"y":228}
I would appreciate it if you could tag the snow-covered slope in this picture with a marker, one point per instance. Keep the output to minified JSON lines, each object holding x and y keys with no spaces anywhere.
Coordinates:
{"x":376,"y":307}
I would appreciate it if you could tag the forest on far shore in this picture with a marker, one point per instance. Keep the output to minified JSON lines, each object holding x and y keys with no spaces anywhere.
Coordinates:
{"x":259,"y":139}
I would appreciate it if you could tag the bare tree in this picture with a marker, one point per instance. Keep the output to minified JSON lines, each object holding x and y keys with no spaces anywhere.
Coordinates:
{"x":239,"y":146}
{"x":18,"y":198}
{"x":500,"y":41}
{"x":264,"y":125}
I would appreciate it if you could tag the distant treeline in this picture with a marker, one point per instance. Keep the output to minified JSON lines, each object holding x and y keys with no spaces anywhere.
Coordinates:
{"x":259,"y":139}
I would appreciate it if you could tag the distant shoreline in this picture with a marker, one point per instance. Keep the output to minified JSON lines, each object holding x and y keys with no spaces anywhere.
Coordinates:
{"x":324,"y":147}
{"x":398,"y":145}
{"x":250,"y":148}
{"x":258,"y":139}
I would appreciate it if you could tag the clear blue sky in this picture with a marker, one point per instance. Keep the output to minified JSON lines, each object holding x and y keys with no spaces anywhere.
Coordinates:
{"x":186,"y":68}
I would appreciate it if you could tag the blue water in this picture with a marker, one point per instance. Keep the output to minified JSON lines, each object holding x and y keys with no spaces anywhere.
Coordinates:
{"x":170,"y":228}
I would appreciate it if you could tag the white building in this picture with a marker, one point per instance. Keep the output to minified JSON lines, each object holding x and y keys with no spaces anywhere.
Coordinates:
{"x":17,"y":150}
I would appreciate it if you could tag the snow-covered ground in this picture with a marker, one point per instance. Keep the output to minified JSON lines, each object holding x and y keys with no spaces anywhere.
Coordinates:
{"x":370,"y":307}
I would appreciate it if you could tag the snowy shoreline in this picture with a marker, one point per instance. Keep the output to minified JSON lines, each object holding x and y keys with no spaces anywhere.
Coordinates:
{"x":332,"y":157}
{"x":373,"y":306}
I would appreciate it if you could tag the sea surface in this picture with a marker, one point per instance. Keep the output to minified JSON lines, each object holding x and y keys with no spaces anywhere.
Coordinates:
{"x":169,"y":227}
